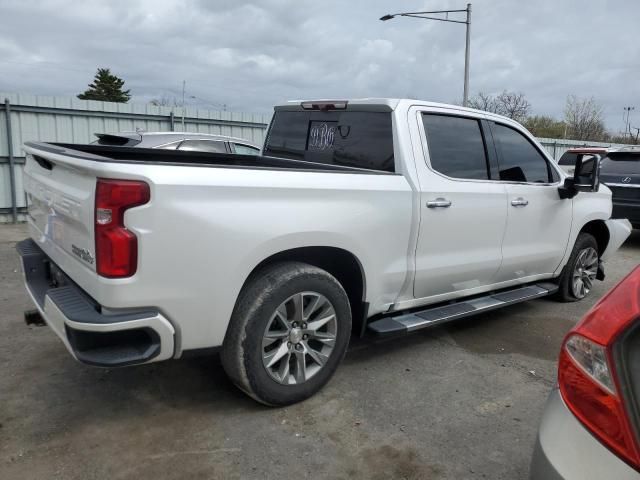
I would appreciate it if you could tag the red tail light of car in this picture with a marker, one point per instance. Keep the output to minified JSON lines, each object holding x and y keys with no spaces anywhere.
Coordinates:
{"x":592,"y":381}
{"x":117,"y":247}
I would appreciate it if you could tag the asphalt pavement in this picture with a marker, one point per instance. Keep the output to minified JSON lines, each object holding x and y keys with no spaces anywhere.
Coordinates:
{"x":459,"y":401}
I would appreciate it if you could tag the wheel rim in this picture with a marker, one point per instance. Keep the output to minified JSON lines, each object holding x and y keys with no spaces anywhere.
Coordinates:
{"x":584,"y":272}
{"x":299,"y":338}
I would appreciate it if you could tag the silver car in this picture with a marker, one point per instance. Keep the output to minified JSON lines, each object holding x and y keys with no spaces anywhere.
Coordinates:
{"x":589,"y":428}
{"x":194,"y":142}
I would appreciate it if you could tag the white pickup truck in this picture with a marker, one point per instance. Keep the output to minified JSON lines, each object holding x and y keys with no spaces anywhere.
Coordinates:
{"x":377,"y":215}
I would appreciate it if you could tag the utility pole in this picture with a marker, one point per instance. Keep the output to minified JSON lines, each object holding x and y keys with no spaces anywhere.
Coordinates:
{"x":467,"y":48}
{"x":627,"y":123}
{"x":467,"y":22}
{"x":184,"y":83}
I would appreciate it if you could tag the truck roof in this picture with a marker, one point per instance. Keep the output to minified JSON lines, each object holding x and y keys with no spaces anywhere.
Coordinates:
{"x":389,"y":103}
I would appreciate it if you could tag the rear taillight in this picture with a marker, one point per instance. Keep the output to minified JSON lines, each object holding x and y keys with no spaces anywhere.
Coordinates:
{"x":588,"y":375}
{"x":117,"y":247}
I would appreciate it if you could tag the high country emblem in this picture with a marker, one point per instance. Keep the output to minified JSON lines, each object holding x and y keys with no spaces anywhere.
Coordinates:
{"x":83,"y":254}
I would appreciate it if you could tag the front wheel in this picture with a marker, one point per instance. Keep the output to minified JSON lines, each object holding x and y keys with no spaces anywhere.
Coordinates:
{"x":581,"y":270}
{"x":288,"y":333}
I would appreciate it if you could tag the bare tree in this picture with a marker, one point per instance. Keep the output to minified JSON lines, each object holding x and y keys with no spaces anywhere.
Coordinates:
{"x":483,"y":101}
{"x":510,"y":104}
{"x":163,"y":101}
{"x":583,"y":117}
{"x":513,"y":105}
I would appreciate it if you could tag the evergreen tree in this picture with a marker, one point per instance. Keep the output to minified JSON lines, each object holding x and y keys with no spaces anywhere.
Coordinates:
{"x":106,"y":87}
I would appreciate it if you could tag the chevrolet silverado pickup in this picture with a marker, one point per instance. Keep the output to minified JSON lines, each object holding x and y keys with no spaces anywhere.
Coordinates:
{"x":374,"y":215}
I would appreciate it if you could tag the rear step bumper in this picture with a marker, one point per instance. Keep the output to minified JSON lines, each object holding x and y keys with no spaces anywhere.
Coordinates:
{"x":92,"y":336}
{"x":436,"y":315}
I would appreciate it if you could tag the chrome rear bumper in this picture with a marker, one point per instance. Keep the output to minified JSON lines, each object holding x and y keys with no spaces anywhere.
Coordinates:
{"x":92,"y":335}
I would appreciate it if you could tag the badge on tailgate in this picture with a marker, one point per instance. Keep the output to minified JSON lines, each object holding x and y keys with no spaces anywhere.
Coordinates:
{"x":83,"y":254}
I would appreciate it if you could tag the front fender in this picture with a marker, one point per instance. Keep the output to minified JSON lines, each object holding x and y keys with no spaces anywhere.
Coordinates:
{"x":619,"y":231}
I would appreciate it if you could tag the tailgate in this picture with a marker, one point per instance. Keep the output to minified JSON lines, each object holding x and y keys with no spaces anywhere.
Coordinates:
{"x":61,"y":198}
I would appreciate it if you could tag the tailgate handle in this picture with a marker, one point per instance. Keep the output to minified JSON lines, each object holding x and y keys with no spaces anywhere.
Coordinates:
{"x":44,"y":163}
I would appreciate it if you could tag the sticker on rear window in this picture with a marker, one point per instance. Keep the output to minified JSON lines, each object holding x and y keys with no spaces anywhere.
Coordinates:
{"x":321,"y":136}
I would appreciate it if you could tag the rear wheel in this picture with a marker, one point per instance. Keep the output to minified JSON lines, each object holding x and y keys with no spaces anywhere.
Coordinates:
{"x":288,"y":333}
{"x":580,"y":272}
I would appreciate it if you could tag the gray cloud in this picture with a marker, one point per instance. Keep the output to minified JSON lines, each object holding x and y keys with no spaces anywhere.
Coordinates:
{"x":250,"y":55}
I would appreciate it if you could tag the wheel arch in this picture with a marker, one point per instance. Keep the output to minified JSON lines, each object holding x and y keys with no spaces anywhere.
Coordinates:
{"x":600,"y":231}
{"x":340,"y":263}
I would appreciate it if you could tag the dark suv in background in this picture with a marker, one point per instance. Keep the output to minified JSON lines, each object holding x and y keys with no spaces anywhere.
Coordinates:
{"x":620,"y":171}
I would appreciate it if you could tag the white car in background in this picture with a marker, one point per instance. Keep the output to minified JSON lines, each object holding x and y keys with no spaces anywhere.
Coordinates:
{"x":185,"y":141}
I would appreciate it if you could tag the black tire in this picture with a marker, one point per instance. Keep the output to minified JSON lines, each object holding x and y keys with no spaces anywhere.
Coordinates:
{"x":565,"y":293}
{"x":242,"y":351}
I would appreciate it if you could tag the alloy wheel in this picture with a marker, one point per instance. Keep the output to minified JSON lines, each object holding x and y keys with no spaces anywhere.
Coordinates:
{"x":584,"y":272}
{"x":299,"y":338}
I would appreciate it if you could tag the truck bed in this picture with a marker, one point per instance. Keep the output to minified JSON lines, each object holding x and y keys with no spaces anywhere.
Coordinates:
{"x":105,"y":153}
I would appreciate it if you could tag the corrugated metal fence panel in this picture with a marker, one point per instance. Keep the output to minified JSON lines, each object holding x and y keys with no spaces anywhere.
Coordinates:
{"x":64,"y":119}
{"x":68,"y":119}
{"x":556,"y":147}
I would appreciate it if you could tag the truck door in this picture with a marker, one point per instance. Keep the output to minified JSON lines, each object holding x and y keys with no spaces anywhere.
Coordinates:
{"x":538,"y":220}
{"x":463,"y":211}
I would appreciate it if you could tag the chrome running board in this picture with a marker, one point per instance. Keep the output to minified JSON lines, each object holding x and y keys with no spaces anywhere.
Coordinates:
{"x":429,"y":317}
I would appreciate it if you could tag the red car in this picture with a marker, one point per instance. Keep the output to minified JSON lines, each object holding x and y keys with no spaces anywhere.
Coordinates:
{"x":591,"y":424}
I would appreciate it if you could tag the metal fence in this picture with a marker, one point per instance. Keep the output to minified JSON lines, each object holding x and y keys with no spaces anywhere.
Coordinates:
{"x":65,"y":119}
{"x":69,"y":120}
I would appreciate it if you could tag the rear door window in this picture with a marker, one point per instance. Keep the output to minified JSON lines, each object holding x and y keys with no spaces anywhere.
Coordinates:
{"x":354,"y":139}
{"x":456,"y":146}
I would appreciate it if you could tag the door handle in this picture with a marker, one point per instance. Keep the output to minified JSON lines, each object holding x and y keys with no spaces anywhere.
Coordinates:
{"x":439,"y":203}
{"x":519,"y":202}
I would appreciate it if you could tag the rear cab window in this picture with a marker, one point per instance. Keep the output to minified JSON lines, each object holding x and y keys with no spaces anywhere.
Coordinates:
{"x":361,"y":139}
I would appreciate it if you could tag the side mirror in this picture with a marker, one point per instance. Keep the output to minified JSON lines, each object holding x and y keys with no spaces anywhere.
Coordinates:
{"x":586,"y":177}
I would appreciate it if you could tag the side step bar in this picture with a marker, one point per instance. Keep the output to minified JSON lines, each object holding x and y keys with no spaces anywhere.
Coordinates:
{"x":429,"y":317}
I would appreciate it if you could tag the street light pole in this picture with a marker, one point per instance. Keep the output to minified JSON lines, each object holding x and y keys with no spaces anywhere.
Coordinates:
{"x":467,"y":22}
{"x":465,"y":98}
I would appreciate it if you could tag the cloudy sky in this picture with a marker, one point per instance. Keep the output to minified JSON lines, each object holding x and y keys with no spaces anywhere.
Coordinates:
{"x":251,"y":55}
